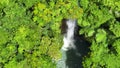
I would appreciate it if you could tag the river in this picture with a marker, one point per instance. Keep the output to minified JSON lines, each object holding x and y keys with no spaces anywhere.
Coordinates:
{"x":73,"y":58}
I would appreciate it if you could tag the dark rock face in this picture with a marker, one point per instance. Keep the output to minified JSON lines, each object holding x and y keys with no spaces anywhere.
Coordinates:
{"x":63,"y":26}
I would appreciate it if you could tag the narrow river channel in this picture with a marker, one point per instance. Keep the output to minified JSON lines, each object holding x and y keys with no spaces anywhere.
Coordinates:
{"x":73,"y":57}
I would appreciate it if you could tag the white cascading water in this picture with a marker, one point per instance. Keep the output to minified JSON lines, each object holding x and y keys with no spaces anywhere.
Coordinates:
{"x":69,"y":36}
{"x":74,"y":48}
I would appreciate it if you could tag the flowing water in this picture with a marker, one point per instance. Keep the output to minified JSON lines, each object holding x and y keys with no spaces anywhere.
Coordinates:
{"x":75,"y":47}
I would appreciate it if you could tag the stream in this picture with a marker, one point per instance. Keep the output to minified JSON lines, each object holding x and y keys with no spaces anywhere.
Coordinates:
{"x":73,"y":57}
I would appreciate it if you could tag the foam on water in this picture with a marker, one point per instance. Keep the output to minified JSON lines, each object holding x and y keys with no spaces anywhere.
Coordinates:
{"x":75,"y":47}
{"x":69,"y":36}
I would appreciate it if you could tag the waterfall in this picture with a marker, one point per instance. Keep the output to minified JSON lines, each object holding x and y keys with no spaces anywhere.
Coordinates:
{"x":74,"y":48}
{"x":69,"y":35}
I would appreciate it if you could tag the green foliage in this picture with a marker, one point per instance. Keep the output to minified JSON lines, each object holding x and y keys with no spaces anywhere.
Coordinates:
{"x":30,"y":34}
{"x":29,"y":31}
{"x":101,"y":26}
{"x":53,"y":11}
{"x":115,"y":28}
{"x":24,"y":43}
{"x":49,"y":14}
{"x":100,"y":36}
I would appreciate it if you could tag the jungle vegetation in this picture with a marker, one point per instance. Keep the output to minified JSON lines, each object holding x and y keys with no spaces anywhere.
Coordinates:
{"x":30,"y":35}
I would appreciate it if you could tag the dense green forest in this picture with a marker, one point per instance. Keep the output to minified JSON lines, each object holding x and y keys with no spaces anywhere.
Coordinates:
{"x":30,"y":36}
